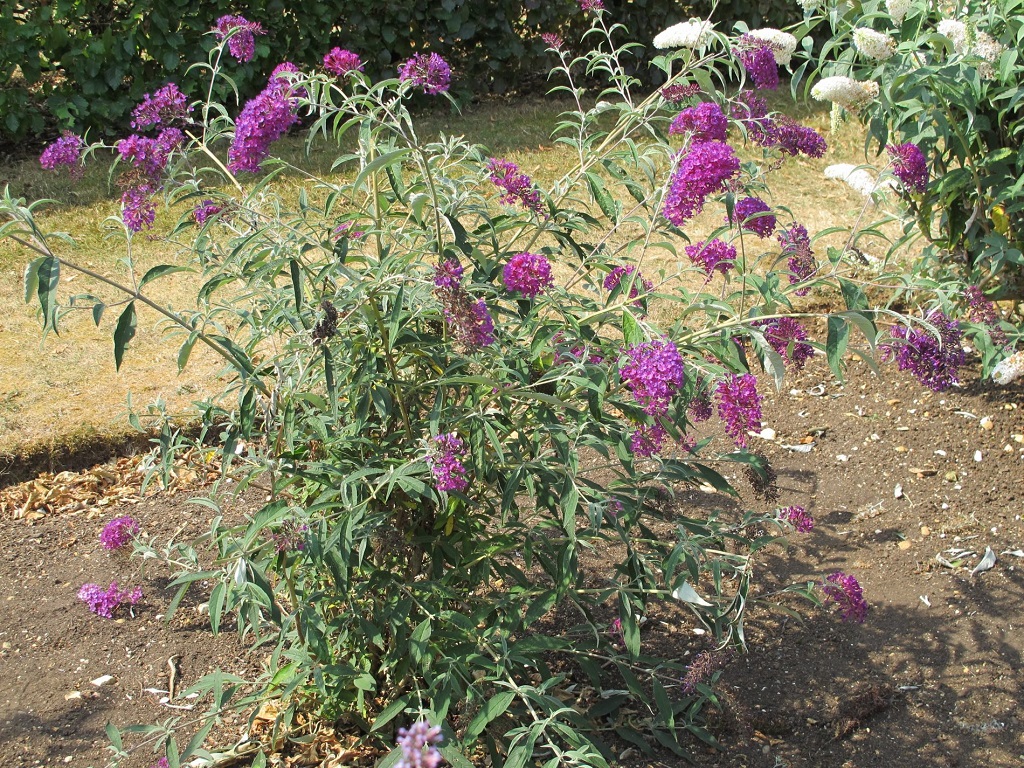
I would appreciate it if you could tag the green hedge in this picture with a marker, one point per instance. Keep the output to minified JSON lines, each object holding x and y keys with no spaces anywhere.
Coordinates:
{"x":84,"y":64}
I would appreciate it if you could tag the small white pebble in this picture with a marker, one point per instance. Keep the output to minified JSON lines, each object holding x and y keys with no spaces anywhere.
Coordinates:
{"x":977,"y":455}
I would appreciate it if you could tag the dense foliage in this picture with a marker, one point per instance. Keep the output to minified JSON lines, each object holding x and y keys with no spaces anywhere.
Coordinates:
{"x":86,"y":63}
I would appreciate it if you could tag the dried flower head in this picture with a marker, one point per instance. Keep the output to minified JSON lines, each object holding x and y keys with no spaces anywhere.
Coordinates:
{"x":327,"y":327}
{"x":763,"y":479}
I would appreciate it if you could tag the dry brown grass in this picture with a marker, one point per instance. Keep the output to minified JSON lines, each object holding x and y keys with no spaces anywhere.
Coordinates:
{"x":63,"y":389}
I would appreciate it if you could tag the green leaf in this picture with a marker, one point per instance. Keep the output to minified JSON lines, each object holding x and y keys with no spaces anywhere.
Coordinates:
{"x":418,"y":642}
{"x":124,"y":332}
{"x":389,"y":158}
{"x":835,"y":345}
{"x":631,"y":331}
{"x":601,"y":196}
{"x":160,"y":271}
{"x":115,"y":736}
{"x":48,"y":277}
{"x":32,"y":278}
{"x":97,"y":312}
{"x":391,"y":711}
{"x":186,"y":350}
{"x":450,"y":752}
{"x":495,"y":707}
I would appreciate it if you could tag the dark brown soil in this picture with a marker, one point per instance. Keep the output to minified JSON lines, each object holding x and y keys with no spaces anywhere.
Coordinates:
{"x":932,"y":678}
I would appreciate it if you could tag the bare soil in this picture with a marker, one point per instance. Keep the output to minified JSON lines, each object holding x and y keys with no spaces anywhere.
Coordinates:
{"x":892,"y":478}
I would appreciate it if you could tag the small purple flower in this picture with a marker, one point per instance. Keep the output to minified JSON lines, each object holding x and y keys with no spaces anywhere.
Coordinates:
{"x":615,"y":630}
{"x":749,"y":214}
{"x":262,"y":121}
{"x":678,"y":93}
{"x":712,"y":255}
{"x":653,"y":372}
{"x":614,"y":279}
{"x":431,"y":73}
{"x":480,"y":331}
{"x":982,"y":311}
{"x":648,"y":441}
{"x":119,"y":532}
{"x":796,"y":245}
{"x":448,"y":274}
{"x":703,"y":122}
{"x":277,"y":81}
{"x":758,"y":59}
{"x":935,"y":361}
{"x":67,"y":150}
{"x":241,"y":45}
{"x":528,"y":274}
{"x":105,"y":602}
{"x":161,"y":763}
{"x":844,"y":590}
{"x":202,"y":212}
{"x":787,"y":337}
{"x":516,"y":187}
{"x":739,"y":406}
{"x":150,"y":156}
{"x":138,"y":210}
{"x":552,"y":40}
{"x":704,"y":170}
{"x":797,"y":517}
{"x":591,"y":5}
{"x":345,"y":230}
{"x":166,"y":106}
{"x":444,"y":461}
{"x":418,"y":744}
{"x":700,"y":408}
{"x":794,"y":139}
{"x":909,"y":165}
{"x":339,"y":61}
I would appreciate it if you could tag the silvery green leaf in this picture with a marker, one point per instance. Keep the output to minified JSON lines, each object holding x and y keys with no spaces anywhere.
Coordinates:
{"x":688,"y":594}
{"x":986,"y":563}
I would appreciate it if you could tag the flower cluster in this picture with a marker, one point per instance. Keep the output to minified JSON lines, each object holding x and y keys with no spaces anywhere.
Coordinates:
{"x":909,"y":165}
{"x":848,"y":93}
{"x":758,"y":59}
{"x":933,"y":357}
{"x":796,"y":245}
{"x":776,"y":132}
{"x":798,"y":517}
{"x":67,"y":150}
{"x":653,"y":372}
{"x":647,"y":441}
{"x":703,"y":122}
{"x":678,"y":93}
{"x":418,"y":745}
{"x":150,"y":155}
{"x":444,"y":460}
{"x":552,"y":40}
{"x":469,"y":321}
{"x":431,"y":73}
{"x":119,"y":532}
{"x":290,"y":537}
{"x":844,"y":590}
{"x":614,"y":279}
{"x":204,"y":211}
{"x":704,"y":666}
{"x":754,"y":215}
{"x":712,"y":255}
{"x":1009,"y":369}
{"x":898,"y":9}
{"x":968,"y":41}
{"x":982,"y":311}
{"x":516,"y":187}
{"x":105,"y":602}
{"x":339,"y":62}
{"x":165,"y":107}
{"x":689,"y":34}
{"x":704,"y":170}
{"x":263,"y":120}
{"x":783,"y":44}
{"x":241,"y":31}
{"x":875,"y":45}
{"x":700,"y":408}
{"x":138,"y":210}
{"x":739,"y":406}
{"x":787,"y":337}
{"x":528,"y":274}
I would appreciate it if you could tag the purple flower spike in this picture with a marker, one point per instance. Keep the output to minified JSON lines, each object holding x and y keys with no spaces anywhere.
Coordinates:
{"x":204,"y":211}
{"x":844,"y":590}
{"x":703,"y":171}
{"x":647,"y":441}
{"x":516,"y":187}
{"x":935,"y":362}
{"x":166,"y":106}
{"x":418,"y":744}
{"x":242,"y":45}
{"x":138,"y":210}
{"x":67,"y":151}
{"x":796,"y":245}
{"x":797,"y":517}
{"x":528,"y":274}
{"x":704,"y":666}
{"x":712,"y":255}
{"x":431,"y":73}
{"x":739,"y":406}
{"x":758,"y":59}
{"x":119,"y":532}
{"x":444,"y":460}
{"x":909,"y":165}
{"x":263,"y":120}
{"x":703,"y":122}
{"x":339,"y":62}
{"x":787,"y":337}
{"x":591,"y":5}
{"x":749,"y":207}
{"x":614,"y":279}
{"x":105,"y":602}
{"x":653,"y":372}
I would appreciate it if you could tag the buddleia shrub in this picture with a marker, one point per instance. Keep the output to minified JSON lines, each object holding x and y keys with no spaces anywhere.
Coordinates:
{"x":448,"y":381}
